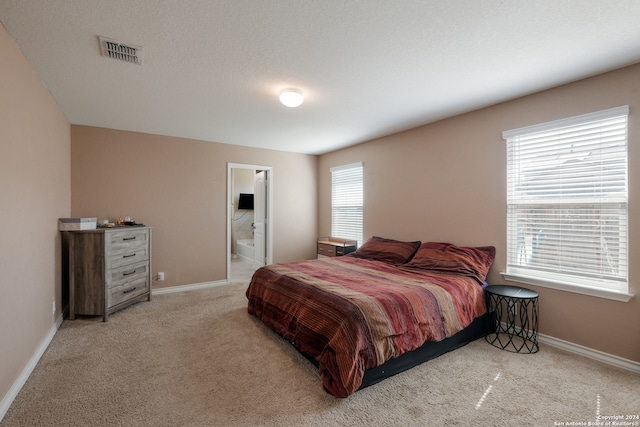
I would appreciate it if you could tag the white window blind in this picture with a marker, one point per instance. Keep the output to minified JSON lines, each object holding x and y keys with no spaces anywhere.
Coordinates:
{"x":567,"y":213}
{"x":347,"y":202}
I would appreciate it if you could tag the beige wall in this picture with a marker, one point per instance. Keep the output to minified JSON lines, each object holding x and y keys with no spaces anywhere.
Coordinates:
{"x":34,"y":193}
{"x":179,"y":187}
{"x":446,"y":182}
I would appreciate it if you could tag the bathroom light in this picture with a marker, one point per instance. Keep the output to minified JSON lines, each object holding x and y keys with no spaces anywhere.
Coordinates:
{"x":291,"y":97}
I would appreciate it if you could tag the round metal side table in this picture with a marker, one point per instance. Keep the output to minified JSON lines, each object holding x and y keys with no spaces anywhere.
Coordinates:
{"x":514,"y":318}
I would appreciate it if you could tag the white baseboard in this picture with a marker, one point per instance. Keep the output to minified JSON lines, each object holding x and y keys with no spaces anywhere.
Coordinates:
{"x":193,"y":287}
{"x":8,"y":399}
{"x":600,"y":356}
{"x":590,"y":353}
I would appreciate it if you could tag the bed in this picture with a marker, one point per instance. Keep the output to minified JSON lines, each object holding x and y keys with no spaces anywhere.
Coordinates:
{"x":378,"y":311}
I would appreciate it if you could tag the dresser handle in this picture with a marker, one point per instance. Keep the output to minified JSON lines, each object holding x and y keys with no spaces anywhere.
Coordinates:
{"x":130,"y":290}
{"x":129,"y":238}
{"x":128,"y":256}
{"x":129,"y":274}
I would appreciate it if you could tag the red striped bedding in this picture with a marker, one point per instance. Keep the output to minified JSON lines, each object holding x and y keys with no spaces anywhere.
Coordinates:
{"x":351,"y":314}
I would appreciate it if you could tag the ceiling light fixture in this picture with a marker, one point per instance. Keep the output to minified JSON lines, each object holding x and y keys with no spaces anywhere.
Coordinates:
{"x":291,"y":97}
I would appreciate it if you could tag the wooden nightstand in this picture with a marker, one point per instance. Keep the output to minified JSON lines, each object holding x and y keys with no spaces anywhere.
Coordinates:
{"x":335,"y":246}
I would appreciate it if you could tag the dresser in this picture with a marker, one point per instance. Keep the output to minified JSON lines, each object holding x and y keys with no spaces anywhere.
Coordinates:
{"x":109,"y":269}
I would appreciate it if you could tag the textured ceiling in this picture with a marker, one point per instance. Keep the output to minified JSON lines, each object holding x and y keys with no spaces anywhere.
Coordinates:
{"x":213,"y":68}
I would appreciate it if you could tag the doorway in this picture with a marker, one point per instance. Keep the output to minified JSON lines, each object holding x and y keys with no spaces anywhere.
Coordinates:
{"x":249,"y":231}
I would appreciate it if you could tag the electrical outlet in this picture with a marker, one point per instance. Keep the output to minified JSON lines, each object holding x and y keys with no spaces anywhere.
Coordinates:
{"x":161,"y":276}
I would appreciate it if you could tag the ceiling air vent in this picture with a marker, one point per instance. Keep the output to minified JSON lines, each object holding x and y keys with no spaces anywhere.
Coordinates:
{"x":123,"y":51}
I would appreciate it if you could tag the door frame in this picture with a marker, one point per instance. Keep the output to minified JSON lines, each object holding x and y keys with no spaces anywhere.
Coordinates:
{"x":268,"y":211}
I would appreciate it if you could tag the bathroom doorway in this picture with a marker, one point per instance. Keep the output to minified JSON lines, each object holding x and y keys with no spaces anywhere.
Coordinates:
{"x":249,"y":229}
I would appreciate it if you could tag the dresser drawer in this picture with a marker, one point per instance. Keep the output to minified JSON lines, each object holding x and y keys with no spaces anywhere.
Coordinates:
{"x":129,"y":239}
{"x":326,"y":249}
{"x":125,"y":292}
{"x":132,"y":255}
{"x":128,"y":273}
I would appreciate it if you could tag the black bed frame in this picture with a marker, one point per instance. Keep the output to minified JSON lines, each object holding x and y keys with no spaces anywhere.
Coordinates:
{"x":429,"y":350}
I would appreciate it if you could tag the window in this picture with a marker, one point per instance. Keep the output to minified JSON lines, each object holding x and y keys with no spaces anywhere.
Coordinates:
{"x":567,"y":213}
{"x":347,"y":202}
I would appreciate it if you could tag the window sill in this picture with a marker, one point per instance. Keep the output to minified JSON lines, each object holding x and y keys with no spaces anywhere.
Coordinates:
{"x":594,"y":292}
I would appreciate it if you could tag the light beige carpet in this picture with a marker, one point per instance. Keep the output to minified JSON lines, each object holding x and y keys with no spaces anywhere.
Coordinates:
{"x":198,"y":359}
